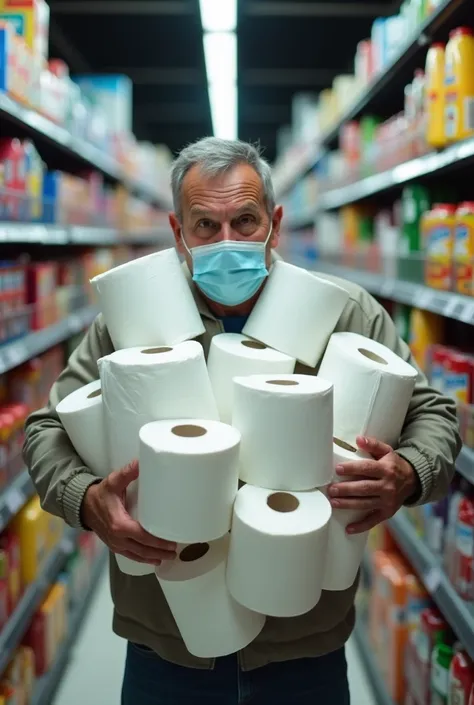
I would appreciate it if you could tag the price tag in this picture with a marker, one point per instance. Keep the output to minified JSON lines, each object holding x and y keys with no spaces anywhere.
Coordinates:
{"x":14,"y":500}
{"x":467,"y":315}
{"x":432,"y":580}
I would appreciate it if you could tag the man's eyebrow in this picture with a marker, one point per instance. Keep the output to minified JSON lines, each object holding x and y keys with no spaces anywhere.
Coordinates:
{"x":249,"y":206}
{"x":197,"y":212}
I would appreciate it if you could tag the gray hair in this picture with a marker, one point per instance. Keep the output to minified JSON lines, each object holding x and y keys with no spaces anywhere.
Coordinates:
{"x":216,"y":156}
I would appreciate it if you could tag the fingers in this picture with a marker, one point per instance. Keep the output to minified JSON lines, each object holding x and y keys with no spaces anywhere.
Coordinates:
{"x":360,"y":468}
{"x":372,"y":519}
{"x":369,"y":504}
{"x":131,"y":529}
{"x":147,"y":554}
{"x":361,"y":488}
{"x":375,"y":448}
{"x":119,"y":480}
{"x":135,"y":557}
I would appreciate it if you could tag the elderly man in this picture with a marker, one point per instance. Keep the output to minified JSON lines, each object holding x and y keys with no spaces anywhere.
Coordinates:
{"x":226,"y":225}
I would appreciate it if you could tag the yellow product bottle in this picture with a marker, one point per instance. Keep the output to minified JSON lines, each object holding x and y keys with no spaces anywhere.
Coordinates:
{"x":459,"y":85}
{"x":435,"y":96}
{"x":31,"y":527}
{"x":438,"y":242}
{"x":426,"y":329}
{"x":464,"y":249}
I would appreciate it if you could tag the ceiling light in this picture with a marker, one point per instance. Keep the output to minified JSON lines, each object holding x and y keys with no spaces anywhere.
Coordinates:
{"x":220,"y":53}
{"x":218,"y":15}
{"x":223,"y":100}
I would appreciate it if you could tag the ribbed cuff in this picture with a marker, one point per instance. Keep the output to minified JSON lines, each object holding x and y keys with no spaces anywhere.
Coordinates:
{"x":423,"y":469}
{"x":73,"y":496}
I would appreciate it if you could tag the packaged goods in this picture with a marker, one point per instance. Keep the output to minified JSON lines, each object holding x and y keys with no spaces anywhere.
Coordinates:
{"x":459,"y":85}
{"x":464,"y":249}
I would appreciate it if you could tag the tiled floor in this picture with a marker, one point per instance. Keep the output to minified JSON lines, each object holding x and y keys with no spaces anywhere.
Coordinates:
{"x":95,"y":670}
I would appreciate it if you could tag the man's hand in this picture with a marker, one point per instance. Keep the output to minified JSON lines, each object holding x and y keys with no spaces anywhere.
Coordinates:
{"x":104,"y":512}
{"x":379,"y":486}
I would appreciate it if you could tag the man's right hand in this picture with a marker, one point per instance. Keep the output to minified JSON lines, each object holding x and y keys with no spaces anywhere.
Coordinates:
{"x":104,"y":512}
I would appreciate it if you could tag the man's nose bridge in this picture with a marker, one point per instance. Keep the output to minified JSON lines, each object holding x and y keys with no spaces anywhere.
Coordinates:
{"x":227,"y":232}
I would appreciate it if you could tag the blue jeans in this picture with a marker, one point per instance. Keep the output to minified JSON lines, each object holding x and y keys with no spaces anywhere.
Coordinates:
{"x":149,"y":680}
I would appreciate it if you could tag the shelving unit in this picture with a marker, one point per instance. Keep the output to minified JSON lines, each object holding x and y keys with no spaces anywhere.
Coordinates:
{"x":36,"y":234}
{"x":48,"y":684}
{"x":17,"y":626}
{"x":458,"y":613}
{"x":14,"y":497}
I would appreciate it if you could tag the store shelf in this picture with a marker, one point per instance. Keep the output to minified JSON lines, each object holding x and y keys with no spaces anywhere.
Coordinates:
{"x":465,"y":464}
{"x":300,"y":221}
{"x":457,"y":156}
{"x":47,"y":685}
{"x":31,"y":233}
{"x":23,"y":349}
{"x":14,"y":497}
{"x":13,"y":632}
{"x":445,"y":303}
{"x":374,"y":674}
{"x":458,"y":613}
{"x":79,"y":151}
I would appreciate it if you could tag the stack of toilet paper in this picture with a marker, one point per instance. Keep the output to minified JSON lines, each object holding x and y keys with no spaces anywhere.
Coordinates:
{"x":270,"y":548}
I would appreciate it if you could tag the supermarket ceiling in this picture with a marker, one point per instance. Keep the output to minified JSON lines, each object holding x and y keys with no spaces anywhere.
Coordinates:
{"x":284,"y":47}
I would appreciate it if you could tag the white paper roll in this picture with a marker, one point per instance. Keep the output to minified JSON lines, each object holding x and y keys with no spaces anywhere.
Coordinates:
{"x":286,"y":427}
{"x":296,"y":313}
{"x":345,"y":551}
{"x":211,"y":623}
{"x":148,"y":302}
{"x":81,"y":414}
{"x":188,"y":479}
{"x":278,"y":550}
{"x":372,"y":388}
{"x":232,"y":355}
{"x":142,"y":385}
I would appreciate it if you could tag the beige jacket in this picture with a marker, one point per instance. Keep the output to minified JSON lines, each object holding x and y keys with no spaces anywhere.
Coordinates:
{"x":430,"y":442}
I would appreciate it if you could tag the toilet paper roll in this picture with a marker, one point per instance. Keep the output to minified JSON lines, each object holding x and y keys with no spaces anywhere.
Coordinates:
{"x":81,"y":414}
{"x":286,"y":427}
{"x":345,"y":551}
{"x":211,"y":623}
{"x":188,"y":479}
{"x":148,"y":302}
{"x":372,"y":388}
{"x":232,"y":355}
{"x":278,"y":550}
{"x":296,"y":313}
{"x":142,"y":385}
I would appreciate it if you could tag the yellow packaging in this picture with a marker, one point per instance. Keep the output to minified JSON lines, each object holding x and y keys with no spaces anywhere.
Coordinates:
{"x":426,"y":329}
{"x":459,"y":85}
{"x":30,"y":19}
{"x":396,"y":628}
{"x":464,"y":249}
{"x":437,"y":229}
{"x":435,"y":96}
{"x":28,"y":670}
{"x":31,"y":526}
{"x":58,"y":596}
{"x":48,"y":611}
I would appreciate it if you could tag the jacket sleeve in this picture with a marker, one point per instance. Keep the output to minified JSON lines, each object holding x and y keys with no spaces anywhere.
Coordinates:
{"x":430,"y":439}
{"x":59,"y":474}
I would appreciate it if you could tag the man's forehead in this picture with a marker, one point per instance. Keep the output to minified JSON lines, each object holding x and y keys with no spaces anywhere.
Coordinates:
{"x":241,"y":178}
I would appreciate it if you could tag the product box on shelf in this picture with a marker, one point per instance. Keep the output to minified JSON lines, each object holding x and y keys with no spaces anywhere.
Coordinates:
{"x":13,"y":198}
{"x":42,"y":279}
{"x":17,"y":68}
{"x":34,"y":182}
{"x":54,"y":93}
{"x":30,"y":19}
{"x":13,"y":311}
{"x":113,"y":93}
{"x":10,"y":545}
{"x":31,"y":527}
{"x":464,"y":249}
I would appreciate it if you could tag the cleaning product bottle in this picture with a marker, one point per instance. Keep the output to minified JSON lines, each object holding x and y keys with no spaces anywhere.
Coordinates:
{"x":459,"y":85}
{"x":435,"y":96}
{"x":441,"y":659}
{"x":461,"y":678}
{"x":464,"y":249}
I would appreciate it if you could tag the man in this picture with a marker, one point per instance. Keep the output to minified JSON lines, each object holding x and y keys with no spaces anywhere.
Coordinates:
{"x":226,"y":225}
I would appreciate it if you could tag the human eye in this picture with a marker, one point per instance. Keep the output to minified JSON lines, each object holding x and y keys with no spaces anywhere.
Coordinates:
{"x":206,"y":227}
{"x":246,"y":223}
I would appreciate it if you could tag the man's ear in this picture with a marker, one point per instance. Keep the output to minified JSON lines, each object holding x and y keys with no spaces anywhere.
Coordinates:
{"x":276,"y":223}
{"x":176,"y":228}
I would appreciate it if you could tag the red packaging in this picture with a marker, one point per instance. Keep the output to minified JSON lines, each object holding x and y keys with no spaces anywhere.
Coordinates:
{"x":458,"y":380}
{"x":432,"y":625}
{"x":461,"y":678}
{"x":13,"y":159}
{"x":471,"y":697}
{"x":439,"y":357}
{"x":42,"y":294}
{"x":36,"y":639}
{"x":464,"y":580}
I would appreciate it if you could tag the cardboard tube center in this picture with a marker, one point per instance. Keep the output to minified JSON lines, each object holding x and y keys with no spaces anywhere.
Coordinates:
{"x":373,"y":356}
{"x":344,"y":445}
{"x":283,"y":502}
{"x":253,"y":344}
{"x":189,"y":431}
{"x":283,"y":382}
{"x":193,"y":552}
{"x":97,"y":393}
{"x":156,"y":351}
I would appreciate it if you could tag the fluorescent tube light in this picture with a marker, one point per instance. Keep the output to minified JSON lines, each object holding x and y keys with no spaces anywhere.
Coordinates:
{"x":223,"y":100}
{"x":218,"y":15}
{"x":220,"y":53}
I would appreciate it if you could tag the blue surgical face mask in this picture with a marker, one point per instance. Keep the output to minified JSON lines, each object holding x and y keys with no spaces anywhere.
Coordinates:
{"x":230,"y":272}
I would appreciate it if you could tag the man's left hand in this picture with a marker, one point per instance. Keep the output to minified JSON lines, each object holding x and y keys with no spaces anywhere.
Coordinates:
{"x":379,"y":486}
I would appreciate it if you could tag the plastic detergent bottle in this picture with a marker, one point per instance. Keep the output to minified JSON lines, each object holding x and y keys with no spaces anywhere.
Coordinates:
{"x":435,"y":96}
{"x":459,"y":85}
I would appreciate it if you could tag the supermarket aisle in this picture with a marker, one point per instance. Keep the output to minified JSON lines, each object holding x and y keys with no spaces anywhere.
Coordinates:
{"x":98,"y":680}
